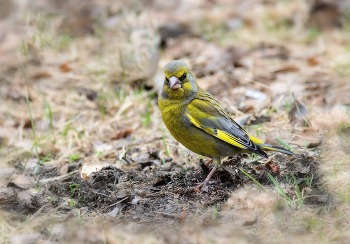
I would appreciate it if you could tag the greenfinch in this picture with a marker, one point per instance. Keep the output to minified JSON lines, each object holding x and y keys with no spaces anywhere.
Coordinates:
{"x":196,"y":119}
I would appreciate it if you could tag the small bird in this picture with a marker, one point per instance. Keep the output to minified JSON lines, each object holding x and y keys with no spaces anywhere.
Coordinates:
{"x":196,"y":119}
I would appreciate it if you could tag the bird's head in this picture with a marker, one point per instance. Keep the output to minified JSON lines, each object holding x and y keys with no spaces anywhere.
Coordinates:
{"x":179,"y":82}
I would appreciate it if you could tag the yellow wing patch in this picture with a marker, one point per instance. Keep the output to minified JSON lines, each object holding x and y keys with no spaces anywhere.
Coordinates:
{"x":229,"y":139}
{"x":255,"y":140}
{"x":260,"y":142}
{"x":222,"y":135}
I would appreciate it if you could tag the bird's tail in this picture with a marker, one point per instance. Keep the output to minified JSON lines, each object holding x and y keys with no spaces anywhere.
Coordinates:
{"x":269,"y":147}
{"x":277,"y":149}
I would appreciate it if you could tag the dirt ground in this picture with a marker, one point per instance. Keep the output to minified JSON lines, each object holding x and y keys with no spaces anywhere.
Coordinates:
{"x":86,"y":158}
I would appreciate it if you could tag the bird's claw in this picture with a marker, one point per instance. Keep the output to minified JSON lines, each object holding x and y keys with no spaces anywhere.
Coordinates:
{"x":205,"y":182}
{"x":200,"y":185}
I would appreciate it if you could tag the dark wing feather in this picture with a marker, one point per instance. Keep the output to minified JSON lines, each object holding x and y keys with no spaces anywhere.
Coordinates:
{"x":206,"y":113}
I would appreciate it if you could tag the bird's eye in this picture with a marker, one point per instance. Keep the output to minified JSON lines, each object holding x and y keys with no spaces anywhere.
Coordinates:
{"x":183,"y":77}
{"x":166,"y":79}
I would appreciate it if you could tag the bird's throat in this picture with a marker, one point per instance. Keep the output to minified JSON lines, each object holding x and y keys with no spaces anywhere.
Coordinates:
{"x":176,"y":94}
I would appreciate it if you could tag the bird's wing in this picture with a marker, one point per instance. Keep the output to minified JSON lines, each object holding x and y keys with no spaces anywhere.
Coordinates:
{"x":206,"y":113}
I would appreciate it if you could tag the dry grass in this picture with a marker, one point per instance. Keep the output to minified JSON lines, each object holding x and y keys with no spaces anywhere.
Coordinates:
{"x":64,"y":97}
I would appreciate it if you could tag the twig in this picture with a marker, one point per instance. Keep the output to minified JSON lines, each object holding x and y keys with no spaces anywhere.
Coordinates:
{"x":61,"y":177}
{"x":117,"y":202}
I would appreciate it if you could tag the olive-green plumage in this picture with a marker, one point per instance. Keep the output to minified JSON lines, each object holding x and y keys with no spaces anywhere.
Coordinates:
{"x":196,"y":119}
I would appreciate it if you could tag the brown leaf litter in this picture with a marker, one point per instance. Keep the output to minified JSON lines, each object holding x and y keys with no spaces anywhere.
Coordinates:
{"x":298,"y":114}
{"x":100,"y":166}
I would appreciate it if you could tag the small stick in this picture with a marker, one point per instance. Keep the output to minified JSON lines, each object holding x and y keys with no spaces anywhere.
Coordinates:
{"x":62,"y":177}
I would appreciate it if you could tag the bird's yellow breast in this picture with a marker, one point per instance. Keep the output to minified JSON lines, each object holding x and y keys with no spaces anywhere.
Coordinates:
{"x":196,"y":140}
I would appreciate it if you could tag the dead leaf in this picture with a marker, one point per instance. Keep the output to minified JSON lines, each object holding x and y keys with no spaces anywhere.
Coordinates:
{"x":21,"y":182}
{"x":258,"y":168}
{"x":286,"y":68}
{"x":89,"y":168}
{"x":172,"y":30}
{"x":260,"y":119}
{"x":167,"y":167}
{"x":159,"y":182}
{"x":6,"y":193}
{"x":64,"y":168}
{"x":325,"y":15}
{"x":26,"y":195}
{"x":27,"y":123}
{"x":305,"y":170}
{"x":77,"y":25}
{"x":249,"y":223}
{"x":65,"y":68}
{"x":271,"y":166}
{"x":315,"y":144}
{"x":42,"y":74}
{"x":84,"y":177}
{"x":308,"y":138}
{"x":283,"y":134}
{"x":313,"y":61}
{"x":298,"y":114}
{"x":122,"y":134}
{"x":329,"y":120}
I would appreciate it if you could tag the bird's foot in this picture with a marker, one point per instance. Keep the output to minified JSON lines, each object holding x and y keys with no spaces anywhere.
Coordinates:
{"x":200,"y":185}
{"x":200,"y":169}
{"x":205,"y":182}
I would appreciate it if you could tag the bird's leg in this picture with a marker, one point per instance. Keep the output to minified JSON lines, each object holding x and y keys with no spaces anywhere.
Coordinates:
{"x":216,"y":162}
{"x":205,"y":182}
{"x":200,"y":169}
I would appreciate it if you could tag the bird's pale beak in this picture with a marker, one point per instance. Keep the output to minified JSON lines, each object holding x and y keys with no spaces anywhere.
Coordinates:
{"x":174,"y":83}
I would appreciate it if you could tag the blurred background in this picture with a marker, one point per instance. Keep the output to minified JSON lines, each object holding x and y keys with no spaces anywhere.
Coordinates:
{"x":99,"y":64}
{"x":79,"y":79}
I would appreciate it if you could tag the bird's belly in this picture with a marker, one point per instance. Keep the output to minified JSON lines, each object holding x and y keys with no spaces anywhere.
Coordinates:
{"x":198,"y":140}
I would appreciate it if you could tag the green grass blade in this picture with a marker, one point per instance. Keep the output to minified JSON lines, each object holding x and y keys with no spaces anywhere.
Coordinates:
{"x":124,"y":153}
{"x":283,"y":143}
{"x":254,"y":180}
{"x":31,"y":121}
{"x":278,"y":188}
{"x":300,"y":201}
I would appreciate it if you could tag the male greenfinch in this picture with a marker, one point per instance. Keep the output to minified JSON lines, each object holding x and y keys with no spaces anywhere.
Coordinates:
{"x":196,"y":119}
